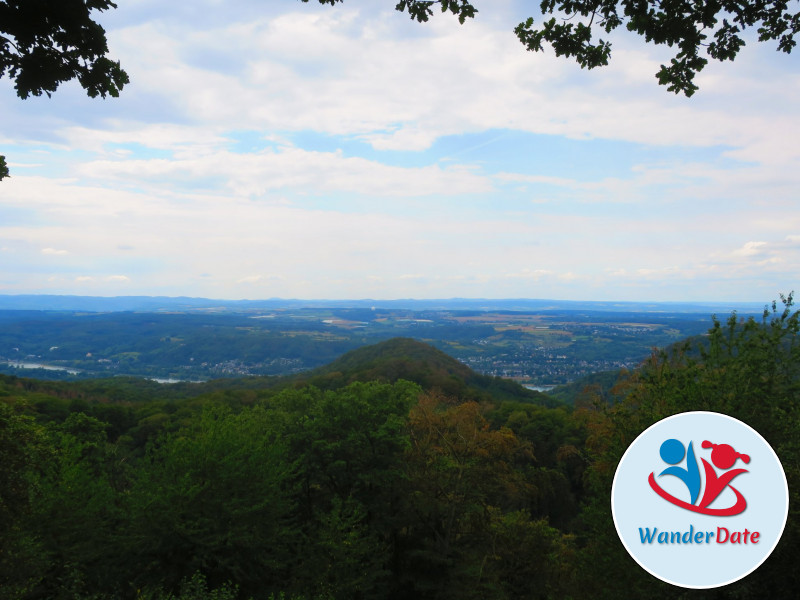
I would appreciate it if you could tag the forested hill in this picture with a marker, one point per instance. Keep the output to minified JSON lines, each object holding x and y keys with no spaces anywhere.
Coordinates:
{"x":432,"y":369}
{"x":389,"y":361}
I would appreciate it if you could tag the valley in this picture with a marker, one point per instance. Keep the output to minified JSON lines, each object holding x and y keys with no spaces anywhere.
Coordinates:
{"x":538,"y":346}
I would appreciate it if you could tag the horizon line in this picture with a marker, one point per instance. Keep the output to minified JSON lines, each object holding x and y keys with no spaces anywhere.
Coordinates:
{"x":393,"y":300}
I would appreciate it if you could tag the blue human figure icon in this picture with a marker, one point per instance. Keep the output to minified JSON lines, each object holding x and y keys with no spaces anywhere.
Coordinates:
{"x":672,"y":452}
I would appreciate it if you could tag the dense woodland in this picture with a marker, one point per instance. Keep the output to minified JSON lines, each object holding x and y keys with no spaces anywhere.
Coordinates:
{"x":395,"y":472}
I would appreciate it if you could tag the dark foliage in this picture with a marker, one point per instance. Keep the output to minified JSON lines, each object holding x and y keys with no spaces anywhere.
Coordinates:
{"x":719,"y":27}
{"x":367,"y":489}
{"x":44,"y":43}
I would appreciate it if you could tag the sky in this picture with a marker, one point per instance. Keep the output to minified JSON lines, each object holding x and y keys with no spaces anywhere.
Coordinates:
{"x":274,"y":148}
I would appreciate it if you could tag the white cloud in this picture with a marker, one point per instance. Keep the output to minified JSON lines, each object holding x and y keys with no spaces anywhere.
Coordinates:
{"x":237,"y":153}
{"x":184,"y":140}
{"x":294,"y":168}
{"x":526,"y":273}
{"x":359,"y":73}
{"x":751,"y":249}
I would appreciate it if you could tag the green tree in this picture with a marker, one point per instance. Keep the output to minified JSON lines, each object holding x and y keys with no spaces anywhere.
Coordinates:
{"x":746,"y":368}
{"x":210,"y":499}
{"x":78,"y":513}
{"x":527,"y":559}
{"x":717,"y":26}
{"x":44,"y":43}
{"x":24,"y":452}
{"x":347,"y":448}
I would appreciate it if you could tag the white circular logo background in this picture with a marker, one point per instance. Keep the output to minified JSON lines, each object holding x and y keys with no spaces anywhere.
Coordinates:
{"x":673,"y":488}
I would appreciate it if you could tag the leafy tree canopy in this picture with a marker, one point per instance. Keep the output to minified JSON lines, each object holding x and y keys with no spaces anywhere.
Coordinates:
{"x":574,"y":28}
{"x":44,"y":43}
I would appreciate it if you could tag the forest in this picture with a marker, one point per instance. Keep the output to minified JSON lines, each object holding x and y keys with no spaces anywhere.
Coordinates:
{"x":393,"y":472}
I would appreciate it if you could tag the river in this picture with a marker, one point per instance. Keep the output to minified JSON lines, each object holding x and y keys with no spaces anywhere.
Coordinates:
{"x":21,"y":364}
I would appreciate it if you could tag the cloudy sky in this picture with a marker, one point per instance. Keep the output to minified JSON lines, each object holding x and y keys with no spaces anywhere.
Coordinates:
{"x":281,"y":149}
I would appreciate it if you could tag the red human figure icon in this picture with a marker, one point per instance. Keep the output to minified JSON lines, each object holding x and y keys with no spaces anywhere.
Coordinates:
{"x":724,"y":457}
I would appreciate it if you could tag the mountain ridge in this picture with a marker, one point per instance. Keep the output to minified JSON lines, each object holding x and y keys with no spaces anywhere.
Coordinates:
{"x":55,"y":302}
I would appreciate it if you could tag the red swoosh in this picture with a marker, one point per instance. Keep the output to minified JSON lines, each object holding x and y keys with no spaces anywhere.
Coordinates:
{"x":737,"y":508}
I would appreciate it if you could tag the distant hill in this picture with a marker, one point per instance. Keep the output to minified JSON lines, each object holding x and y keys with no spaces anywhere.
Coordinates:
{"x":388,"y":361}
{"x":412,"y":360}
{"x":187,"y":304}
